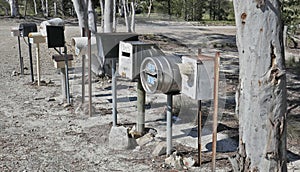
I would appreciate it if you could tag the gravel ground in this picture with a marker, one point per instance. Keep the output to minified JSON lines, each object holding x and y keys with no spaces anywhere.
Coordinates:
{"x":39,"y":132}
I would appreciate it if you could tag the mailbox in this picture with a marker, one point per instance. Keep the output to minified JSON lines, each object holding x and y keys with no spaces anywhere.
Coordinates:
{"x":55,"y":36}
{"x":161,"y":74}
{"x":15,"y":31}
{"x":197,"y":77}
{"x":26,"y":28}
{"x":131,"y":55}
{"x":36,"y":38}
{"x":108,"y":43}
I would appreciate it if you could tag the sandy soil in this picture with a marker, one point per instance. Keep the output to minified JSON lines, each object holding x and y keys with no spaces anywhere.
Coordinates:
{"x":40,"y":133}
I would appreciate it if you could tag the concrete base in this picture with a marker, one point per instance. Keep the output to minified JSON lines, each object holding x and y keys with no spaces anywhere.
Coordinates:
{"x":120,"y":140}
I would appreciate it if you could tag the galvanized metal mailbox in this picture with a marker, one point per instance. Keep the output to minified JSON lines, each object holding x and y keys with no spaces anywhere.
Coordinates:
{"x":131,"y":55}
{"x":161,"y":74}
{"x":108,"y":43}
{"x":26,"y":28}
{"x":55,"y":36}
{"x":197,"y":77}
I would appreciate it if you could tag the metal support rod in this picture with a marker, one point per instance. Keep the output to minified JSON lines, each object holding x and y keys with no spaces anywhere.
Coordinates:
{"x":20,"y":56}
{"x":30,"y":59}
{"x":169,"y":123}
{"x":83,"y":72}
{"x":199,"y":130}
{"x":114,"y":92}
{"x":67,"y":75}
{"x":38,"y":67}
{"x":90,"y":71}
{"x":141,"y":98}
{"x":215,"y":114}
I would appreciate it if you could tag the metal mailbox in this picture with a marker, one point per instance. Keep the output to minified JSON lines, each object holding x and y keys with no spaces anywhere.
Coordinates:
{"x":26,"y":28}
{"x":131,"y":55}
{"x":55,"y":36}
{"x":161,"y":74}
{"x":108,"y":43}
{"x":197,"y":77}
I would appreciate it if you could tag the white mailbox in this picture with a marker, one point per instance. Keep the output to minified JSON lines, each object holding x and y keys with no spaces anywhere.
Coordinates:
{"x":197,"y":77}
{"x":131,"y":55}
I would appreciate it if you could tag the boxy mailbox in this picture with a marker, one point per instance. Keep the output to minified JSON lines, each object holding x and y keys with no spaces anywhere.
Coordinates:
{"x":131,"y":55}
{"x":200,"y":80}
{"x":108,"y":48}
{"x":25,"y":29}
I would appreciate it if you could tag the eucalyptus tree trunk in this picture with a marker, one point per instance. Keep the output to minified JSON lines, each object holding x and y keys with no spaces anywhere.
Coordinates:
{"x":129,"y":15}
{"x":102,"y":13}
{"x":108,"y":16}
{"x":14,"y":9}
{"x":35,"y":8}
{"x":262,"y":92}
{"x":149,"y":8}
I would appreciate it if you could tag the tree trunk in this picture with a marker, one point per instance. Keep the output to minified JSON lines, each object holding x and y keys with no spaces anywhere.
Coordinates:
{"x":46,"y":9}
{"x":35,"y":9}
{"x":262,"y":92}
{"x":14,"y":9}
{"x":108,"y":16}
{"x":102,"y":14}
{"x":149,"y":8}
{"x":114,"y":16}
{"x":132,"y":25}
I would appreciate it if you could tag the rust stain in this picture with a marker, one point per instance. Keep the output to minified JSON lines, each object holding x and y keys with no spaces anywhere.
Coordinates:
{"x":259,"y":82}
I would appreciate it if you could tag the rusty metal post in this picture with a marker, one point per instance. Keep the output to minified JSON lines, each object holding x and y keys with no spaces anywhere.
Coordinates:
{"x":215,"y":114}
{"x":20,"y":56}
{"x":140,"y":107}
{"x":30,"y":60}
{"x":169,"y":123}
{"x":90,"y":71}
{"x":199,"y":130}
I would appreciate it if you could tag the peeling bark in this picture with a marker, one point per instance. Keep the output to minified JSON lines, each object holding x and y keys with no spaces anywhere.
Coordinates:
{"x":262,"y":92}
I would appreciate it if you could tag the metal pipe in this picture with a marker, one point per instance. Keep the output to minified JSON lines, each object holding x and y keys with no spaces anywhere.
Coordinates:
{"x":169,"y":123}
{"x":20,"y":56}
{"x":114,"y":92}
{"x":67,"y":75}
{"x":90,"y":71}
{"x":30,"y":59}
{"x":199,"y":131}
{"x":38,"y":67}
{"x":83,"y":72}
{"x":215,"y":114}
{"x":141,"y":97}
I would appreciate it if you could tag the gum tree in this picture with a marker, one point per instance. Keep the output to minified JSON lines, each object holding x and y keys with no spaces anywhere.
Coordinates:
{"x":262,"y":91}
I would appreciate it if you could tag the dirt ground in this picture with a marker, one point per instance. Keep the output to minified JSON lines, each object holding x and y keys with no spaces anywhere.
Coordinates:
{"x":39,"y":132}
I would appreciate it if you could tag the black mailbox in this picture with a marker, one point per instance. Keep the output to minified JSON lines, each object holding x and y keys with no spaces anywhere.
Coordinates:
{"x":26,"y":28}
{"x":55,"y":36}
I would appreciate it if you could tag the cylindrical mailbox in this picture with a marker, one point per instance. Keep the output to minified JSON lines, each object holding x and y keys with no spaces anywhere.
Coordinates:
{"x":161,"y":74}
